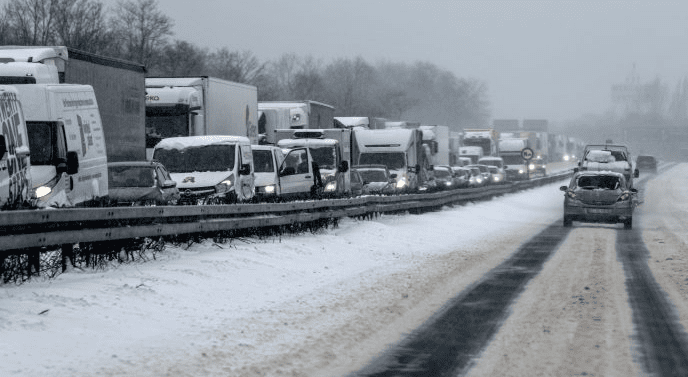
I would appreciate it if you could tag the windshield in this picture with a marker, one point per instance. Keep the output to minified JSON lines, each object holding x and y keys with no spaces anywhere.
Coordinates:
{"x":605,"y":182}
{"x":373,"y":175}
{"x":197,"y":159}
{"x":393,"y":160}
{"x":512,"y":160}
{"x":131,"y":176}
{"x":263,"y":162}
{"x":159,"y":127}
{"x":325,"y":157}
{"x":442,"y":173}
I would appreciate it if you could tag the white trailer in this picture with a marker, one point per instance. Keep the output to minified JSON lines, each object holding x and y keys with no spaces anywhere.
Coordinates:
{"x":199,"y":106}
{"x":279,"y":115}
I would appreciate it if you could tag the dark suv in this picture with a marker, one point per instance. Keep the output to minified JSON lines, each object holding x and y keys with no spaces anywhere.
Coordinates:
{"x":648,"y":163}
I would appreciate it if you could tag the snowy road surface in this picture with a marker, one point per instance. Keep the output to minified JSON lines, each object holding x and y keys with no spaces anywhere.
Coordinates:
{"x":328,"y":304}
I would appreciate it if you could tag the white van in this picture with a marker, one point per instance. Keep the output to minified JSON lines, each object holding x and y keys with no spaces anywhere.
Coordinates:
{"x":209,"y":169}
{"x":68,"y":160}
{"x":15,"y":173}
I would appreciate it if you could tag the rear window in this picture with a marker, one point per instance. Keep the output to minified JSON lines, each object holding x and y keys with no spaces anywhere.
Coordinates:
{"x":645,"y":159}
{"x":605,"y":182}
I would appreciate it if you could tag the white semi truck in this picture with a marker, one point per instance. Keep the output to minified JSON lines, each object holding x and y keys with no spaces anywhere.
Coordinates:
{"x":199,"y":106}
{"x":401,"y":150}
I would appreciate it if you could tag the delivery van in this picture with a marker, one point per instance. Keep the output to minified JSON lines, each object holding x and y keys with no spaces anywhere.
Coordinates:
{"x":211,"y":169}
{"x":65,"y":134}
{"x":15,"y":174}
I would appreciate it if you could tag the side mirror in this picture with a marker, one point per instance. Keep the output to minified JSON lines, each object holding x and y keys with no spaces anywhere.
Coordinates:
{"x":636,"y":173}
{"x":393,"y":175}
{"x":634,"y":190}
{"x":344,"y":166}
{"x":575,"y":170}
{"x":245,"y":169}
{"x":72,"y":162}
{"x":563,"y":188}
{"x":169,"y":184}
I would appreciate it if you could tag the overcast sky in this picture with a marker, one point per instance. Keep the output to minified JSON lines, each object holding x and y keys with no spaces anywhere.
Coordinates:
{"x":540,"y":59}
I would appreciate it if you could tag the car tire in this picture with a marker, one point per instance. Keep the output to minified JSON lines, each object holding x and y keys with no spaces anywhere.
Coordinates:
{"x":628,"y":223}
{"x":567,"y":221}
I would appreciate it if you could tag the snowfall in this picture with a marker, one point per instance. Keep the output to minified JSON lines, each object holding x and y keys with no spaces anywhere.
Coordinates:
{"x":242,"y":301}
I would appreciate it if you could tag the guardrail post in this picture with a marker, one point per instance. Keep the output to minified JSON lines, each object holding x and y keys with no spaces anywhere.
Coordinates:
{"x":67,"y":253}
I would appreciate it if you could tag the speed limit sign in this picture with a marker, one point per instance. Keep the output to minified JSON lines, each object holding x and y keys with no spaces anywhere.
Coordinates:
{"x":526,"y":153}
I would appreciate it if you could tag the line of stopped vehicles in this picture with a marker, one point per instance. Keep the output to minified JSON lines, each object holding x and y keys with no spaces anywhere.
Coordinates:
{"x":85,"y":130}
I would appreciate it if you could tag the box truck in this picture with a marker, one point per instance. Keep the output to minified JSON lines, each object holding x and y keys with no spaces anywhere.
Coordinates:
{"x":199,"y":106}
{"x":278,"y":115}
{"x":118,"y":85}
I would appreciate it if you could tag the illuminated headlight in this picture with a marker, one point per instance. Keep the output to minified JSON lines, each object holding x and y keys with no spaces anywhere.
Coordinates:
{"x":270,"y":189}
{"x":571,"y":195}
{"x":448,"y":183}
{"x":624,"y":197}
{"x":478,"y":179}
{"x":566,"y":157}
{"x":223,"y":186}
{"x":42,"y":191}
{"x":331,"y":186}
{"x":401,"y":183}
{"x":521,"y":171}
{"x":531,"y":166}
{"x":496,"y":178}
{"x":422,"y":188}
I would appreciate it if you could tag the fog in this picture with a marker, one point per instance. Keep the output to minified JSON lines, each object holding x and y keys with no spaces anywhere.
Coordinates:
{"x":539,"y":59}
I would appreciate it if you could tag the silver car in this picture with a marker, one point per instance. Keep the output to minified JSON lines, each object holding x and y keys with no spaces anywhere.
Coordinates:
{"x":599,"y":196}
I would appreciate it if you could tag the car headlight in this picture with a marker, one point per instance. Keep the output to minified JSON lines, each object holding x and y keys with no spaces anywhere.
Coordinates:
{"x":224,"y":186}
{"x":42,"y":191}
{"x":401,"y":183}
{"x":496,"y":178}
{"x":270,"y":189}
{"x":531,"y":166}
{"x":448,"y":183}
{"x":521,"y":171}
{"x":571,"y":195}
{"x":624,"y":197}
{"x":331,"y":186}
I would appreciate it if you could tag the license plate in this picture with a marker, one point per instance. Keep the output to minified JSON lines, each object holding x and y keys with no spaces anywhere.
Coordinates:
{"x":599,"y":210}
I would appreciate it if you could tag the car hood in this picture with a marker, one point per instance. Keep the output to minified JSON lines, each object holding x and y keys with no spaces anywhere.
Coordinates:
{"x":375,"y":186}
{"x":199,"y":179}
{"x":136,"y":194}
{"x":598,"y":196}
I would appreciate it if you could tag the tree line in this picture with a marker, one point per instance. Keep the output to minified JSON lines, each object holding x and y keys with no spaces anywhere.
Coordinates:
{"x":138,"y":31}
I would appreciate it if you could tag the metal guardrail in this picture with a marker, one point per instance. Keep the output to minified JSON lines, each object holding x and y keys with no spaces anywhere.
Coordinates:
{"x":54,"y":227}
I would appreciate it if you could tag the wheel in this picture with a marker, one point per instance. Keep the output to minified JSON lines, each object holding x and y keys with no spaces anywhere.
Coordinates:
{"x":628,"y":223}
{"x":567,"y":221}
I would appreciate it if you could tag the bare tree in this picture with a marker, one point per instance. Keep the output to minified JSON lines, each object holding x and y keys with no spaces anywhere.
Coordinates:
{"x":141,"y":31}
{"x":243,"y":67}
{"x":181,"y":58}
{"x":350,"y":84}
{"x":29,"y":22}
{"x":81,"y":24}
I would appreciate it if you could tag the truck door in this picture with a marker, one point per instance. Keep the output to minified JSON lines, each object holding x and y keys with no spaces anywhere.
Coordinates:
{"x":296,"y":173}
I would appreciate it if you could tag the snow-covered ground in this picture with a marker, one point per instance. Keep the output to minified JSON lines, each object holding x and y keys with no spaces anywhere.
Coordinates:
{"x":134,"y":319}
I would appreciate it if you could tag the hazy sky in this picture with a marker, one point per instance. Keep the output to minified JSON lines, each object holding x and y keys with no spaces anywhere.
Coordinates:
{"x":540,"y":59}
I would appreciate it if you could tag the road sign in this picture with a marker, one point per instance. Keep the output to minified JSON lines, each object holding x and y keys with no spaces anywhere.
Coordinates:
{"x":526,"y":154}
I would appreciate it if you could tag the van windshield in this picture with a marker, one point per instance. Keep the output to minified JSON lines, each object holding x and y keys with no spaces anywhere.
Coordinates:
{"x":393,"y":160}
{"x":262,"y":161}
{"x":325,"y":157}
{"x":200,"y":159}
